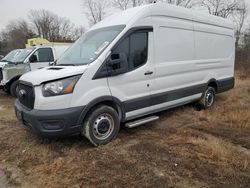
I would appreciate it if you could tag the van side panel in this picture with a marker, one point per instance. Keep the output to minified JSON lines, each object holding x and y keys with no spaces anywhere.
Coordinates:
{"x":215,"y":51}
{"x":188,"y":54}
{"x":174,"y":39}
{"x":174,"y":56}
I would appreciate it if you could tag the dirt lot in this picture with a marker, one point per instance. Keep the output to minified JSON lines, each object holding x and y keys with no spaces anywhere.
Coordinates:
{"x":185,"y":148}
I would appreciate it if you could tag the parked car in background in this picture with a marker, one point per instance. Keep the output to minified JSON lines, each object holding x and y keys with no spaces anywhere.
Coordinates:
{"x":26,"y":60}
{"x":127,"y":67}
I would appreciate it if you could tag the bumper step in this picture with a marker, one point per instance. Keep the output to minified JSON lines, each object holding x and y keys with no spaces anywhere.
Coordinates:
{"x":141,"y":121}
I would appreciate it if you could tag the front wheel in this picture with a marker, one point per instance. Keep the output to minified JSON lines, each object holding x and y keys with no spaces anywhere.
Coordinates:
{"x":208,"y":98}
{"x":13,"y":88}
{"x":101,"y":125}
{"x":6,"y":89}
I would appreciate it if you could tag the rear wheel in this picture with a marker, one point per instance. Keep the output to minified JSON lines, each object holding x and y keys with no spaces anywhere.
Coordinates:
{"x":208,"y":98}
{"x":13,"y":88}
{"x":101,"y":125}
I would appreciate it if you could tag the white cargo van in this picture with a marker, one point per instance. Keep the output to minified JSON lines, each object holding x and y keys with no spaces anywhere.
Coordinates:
{"x":126,"y":68}
{"x":25,"y":60}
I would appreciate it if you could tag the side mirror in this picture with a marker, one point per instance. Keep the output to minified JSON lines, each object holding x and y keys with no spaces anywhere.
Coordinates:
{"x":33,"y":58}
{"x":117,"y":63}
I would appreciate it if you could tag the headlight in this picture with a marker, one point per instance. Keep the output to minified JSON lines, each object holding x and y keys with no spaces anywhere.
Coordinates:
{"x":60,"y":87}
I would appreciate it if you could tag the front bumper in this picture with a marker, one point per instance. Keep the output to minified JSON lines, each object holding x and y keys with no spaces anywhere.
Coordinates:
{"x":50,"y":123}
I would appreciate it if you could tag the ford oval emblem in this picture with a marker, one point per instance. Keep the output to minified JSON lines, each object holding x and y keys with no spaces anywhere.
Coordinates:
{"x":21,"y":93}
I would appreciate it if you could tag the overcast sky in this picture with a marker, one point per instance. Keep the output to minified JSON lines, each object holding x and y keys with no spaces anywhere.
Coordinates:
{"x":13,"y":9}
{"x":71,"y":9}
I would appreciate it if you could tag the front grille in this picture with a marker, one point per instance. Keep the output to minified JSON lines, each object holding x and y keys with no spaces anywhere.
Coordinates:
{"x":1,"y":74}
{"x":25,"y":94}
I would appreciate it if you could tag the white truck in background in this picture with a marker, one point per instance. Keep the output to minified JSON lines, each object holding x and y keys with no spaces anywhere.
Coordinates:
{"x":26,"y":60}
{"x":10,"y":56}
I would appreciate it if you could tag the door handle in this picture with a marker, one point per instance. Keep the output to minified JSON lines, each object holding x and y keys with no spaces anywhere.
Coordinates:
{"x":148,"y":73}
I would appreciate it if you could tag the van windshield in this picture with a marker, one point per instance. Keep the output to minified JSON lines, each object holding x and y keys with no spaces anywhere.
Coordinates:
{"x":89,"y":46}
{"x":22,"y":55}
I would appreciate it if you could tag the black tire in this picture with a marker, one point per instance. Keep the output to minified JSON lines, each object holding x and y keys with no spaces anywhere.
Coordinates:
{"x":101,"y":125}
{"x":208,"y":98}
{"x":7,"y":89}
{"x":13,"y":88}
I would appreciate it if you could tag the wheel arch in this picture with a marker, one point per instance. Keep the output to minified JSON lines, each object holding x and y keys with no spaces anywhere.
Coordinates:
{"x":105,"y":100}
{"x":8,"y":84}
{"x":213,"y":83}
{"x":13,"y":79}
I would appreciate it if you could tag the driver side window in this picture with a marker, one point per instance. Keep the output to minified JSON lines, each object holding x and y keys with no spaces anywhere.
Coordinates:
{"x":135,"y":46}
{"x":42,"y":55}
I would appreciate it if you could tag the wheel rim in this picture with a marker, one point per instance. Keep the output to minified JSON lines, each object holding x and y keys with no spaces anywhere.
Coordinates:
{"x":103,"y":126}
{"x":209,"y":98}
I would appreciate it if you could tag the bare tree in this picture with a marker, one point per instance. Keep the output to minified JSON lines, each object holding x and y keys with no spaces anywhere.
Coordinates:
{"x":232,"y":9}
{"x":61,"y":30}
{"x":124,"y":4}
{"x":223,"y":8}
{"x":50,"y":26}
{"x":243,"y":54}
{"x":95,"y":10}
{"x":16,"y":34}
{"x":77,"y":32}
{"x":121,"y":4}
{"x":136,"y":3}
{"x":42,"y":21}
{"x":239,"y":17}
{"x":184,"y":3}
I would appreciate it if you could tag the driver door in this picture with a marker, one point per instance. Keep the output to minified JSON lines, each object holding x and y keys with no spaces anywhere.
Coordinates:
{"x":133,"y":88}
{"x":41,"y":58}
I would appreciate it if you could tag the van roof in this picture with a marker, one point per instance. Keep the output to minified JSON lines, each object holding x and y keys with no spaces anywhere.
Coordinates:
{"x":163,"y":9}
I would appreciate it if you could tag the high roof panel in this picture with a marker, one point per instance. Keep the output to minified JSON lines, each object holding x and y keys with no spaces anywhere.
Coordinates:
{"x":162,"y":9}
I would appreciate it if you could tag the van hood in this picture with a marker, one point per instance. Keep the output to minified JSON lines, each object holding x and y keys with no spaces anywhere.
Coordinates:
{"x":39,"y":76}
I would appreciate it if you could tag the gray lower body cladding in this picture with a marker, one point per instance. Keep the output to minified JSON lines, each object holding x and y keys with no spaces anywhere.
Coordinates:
{"x":65,"y":122}
{"x":50,"y":123}
{"x":225,"y":84}
{"x":135,"y":104}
